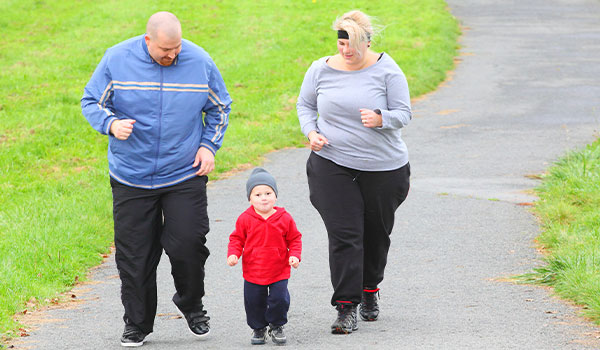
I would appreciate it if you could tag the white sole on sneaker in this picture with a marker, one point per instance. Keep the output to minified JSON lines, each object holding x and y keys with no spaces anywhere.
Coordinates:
{"x":199,"y":336}
{"x":135,"y":345}
{"x":132,"y":345}
{"x":279,"y":341}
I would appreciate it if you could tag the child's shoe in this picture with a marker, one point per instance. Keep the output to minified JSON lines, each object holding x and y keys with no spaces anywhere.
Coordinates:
{"x":259,"y":336}
{"x":346,"y":322}
{"x":369,"y":309}
{"x":277,"y":335}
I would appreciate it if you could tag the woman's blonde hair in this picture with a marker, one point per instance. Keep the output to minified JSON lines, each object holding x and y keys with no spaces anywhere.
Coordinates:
{"x":359,"y":26}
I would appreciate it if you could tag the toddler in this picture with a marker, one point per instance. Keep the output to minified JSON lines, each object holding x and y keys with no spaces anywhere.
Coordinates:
{"x":270,"y":243}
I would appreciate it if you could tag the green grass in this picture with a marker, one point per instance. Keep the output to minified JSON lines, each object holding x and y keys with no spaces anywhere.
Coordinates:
{"x":569,"y":210}
{"x":55,"y":201}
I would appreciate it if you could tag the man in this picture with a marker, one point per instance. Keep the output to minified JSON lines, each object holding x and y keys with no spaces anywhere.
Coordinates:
{"x":164,"y":105}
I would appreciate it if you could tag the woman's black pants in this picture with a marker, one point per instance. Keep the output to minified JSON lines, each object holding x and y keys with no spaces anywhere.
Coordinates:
{"x":146,"y":221}
{"x":358,"y":209}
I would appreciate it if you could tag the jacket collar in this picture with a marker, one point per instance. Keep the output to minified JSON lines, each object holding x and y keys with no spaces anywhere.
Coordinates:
{"x":279,"y":211}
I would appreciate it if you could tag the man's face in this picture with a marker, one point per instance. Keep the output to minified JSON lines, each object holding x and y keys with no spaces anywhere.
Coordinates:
{"x":163,"y":49}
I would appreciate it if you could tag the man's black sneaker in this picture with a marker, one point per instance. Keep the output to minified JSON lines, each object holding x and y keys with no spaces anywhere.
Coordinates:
{"x":132,"y":336}
{"x":197,"y":322}
{"x":346,"y":320}
{"x":277,"y":335}
{"x":259,"y":336}
{"x":369,"y":309}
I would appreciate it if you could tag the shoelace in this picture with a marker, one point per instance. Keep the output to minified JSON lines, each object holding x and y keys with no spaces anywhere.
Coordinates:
{"x":346,"y":314}
{"x":276,"y":331}
{"x":259,"y":333}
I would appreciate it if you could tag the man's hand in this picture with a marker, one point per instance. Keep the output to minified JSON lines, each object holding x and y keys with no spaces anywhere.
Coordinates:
{"x":206,"y":159}
{"x":232,"y":260}
{"x":122,"y":128}
{"x":317,"y":141}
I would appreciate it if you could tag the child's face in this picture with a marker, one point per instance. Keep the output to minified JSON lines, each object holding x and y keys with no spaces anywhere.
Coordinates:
{"x":263,"y":199}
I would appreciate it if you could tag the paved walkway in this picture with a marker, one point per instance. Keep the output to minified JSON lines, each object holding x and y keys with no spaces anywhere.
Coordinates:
{"x":527,"y":89}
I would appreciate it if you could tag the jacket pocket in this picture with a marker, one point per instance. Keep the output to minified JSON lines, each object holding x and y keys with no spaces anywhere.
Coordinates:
{"x":267,"y":262}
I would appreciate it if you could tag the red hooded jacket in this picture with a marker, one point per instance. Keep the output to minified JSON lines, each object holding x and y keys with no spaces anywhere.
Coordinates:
{"x":266,"y":245}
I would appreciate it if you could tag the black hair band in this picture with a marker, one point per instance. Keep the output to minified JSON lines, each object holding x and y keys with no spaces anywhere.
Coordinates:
{"x":342,"y":34}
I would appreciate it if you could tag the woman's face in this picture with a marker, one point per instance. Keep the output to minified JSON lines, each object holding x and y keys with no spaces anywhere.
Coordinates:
{"x":350,"y":55}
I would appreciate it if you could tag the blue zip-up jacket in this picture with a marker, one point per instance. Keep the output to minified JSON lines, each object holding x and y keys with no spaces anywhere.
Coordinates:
{"x":177,"y":108}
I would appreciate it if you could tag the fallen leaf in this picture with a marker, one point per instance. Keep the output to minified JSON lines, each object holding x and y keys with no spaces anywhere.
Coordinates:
{"x":456,"y":126}
{"x":447,"y":111}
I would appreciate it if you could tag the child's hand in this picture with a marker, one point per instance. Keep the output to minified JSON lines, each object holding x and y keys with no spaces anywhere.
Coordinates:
{"x":232,"y":260}
{"x":294,"y":262}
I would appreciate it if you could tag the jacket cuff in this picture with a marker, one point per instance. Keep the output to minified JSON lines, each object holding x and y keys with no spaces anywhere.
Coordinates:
{"x":296,"y":255}
{"x":210,"y":146}
{"x":109,"y":124}
{"x":234,"y":252}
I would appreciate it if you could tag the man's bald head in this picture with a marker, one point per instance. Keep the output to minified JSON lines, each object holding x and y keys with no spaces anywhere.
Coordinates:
{"x":163,"y":37}
{"x":164,"y":22}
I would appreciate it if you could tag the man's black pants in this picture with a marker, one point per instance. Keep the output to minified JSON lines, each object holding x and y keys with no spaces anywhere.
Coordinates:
{"x":358,"y":209}
{"x":146,"y":221}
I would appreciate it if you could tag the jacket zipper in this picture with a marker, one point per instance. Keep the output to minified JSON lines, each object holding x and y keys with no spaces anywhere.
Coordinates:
{"x":160,"y":105}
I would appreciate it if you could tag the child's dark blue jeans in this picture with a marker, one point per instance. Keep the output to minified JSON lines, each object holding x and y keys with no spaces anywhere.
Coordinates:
{"x":266,"y":304}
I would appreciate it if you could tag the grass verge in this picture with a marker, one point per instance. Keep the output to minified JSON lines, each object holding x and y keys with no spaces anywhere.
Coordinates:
{"x":55,"y":201}
{"x":570,"y":217}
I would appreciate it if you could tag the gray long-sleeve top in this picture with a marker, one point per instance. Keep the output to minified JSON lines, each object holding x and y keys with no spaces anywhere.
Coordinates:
{"x":330,"y":101}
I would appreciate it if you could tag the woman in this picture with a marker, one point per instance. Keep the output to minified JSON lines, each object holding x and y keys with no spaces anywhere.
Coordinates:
{"x":351,"y":107}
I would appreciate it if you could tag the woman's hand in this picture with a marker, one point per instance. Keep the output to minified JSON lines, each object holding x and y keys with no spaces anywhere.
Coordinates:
{"x":370,"y":119}
{"x":317,"y":141}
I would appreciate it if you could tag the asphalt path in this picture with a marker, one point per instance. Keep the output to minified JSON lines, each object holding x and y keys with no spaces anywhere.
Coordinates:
{"x":525,"y":91}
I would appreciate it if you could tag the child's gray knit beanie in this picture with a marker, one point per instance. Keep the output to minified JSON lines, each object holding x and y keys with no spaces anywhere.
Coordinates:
{"x":260,"y":176}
